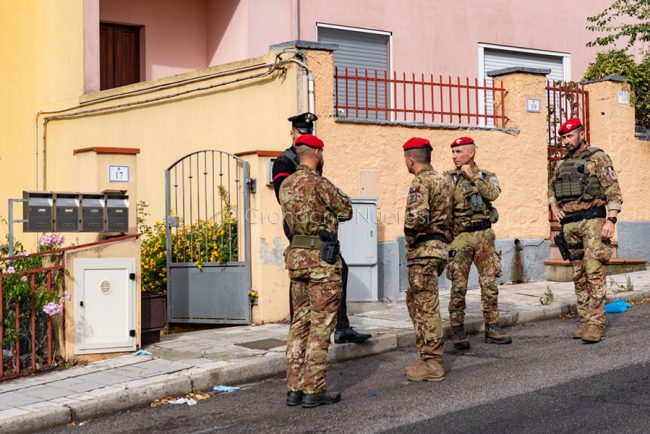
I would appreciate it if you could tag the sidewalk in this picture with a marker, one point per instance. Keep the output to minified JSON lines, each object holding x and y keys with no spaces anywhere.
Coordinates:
{"x":235,"y":355}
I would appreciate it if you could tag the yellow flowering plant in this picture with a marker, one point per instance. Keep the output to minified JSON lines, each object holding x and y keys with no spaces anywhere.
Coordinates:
{"x":203,"y":241}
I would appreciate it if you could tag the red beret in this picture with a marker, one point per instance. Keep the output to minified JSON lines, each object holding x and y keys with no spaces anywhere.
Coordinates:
{"x":416,"y":143}
{"x":462,"y":141}
{"x":569,"y":126}
{"x":311,"y":141}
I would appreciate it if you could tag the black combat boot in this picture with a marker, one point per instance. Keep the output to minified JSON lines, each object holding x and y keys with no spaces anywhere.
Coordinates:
{"x":459,"y":338}
{"x":310,"y":400}
{"x":350,"y":335}
{"x":294,"y":398}
{"x":494,"y":335}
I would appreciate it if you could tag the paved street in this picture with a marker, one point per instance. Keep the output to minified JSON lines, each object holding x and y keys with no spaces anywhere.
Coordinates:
{"x":544,"y":382}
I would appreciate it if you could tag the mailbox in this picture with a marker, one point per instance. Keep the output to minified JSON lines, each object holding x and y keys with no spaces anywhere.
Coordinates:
{"x":117,"y":211}
{"x":92,"y":213}
{"x":37,"y":211}
{"x":67,"y":212}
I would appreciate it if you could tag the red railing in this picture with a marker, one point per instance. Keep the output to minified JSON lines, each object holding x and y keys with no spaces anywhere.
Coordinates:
{"x":31,"y":345}
{"x":375,"y":95}
{"x":565,"y":100}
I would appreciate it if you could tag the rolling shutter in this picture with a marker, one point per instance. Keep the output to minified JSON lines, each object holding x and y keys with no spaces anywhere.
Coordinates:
{"x":361,"y":53}
{"x":495,"y":59}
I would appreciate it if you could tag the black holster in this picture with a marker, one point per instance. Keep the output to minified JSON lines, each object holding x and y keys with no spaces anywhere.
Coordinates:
{"x":329,"y":248}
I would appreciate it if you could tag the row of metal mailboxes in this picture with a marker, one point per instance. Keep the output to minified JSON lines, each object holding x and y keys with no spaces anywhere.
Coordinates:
{"x":75,"y":212}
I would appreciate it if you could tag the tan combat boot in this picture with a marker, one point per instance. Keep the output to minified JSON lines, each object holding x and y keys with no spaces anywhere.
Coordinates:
{"x":459,"y":338}
{"x":494,"y":335}
{"x":593,"y":334}
{"x":579,"y":331}
{"x":430,"y":370}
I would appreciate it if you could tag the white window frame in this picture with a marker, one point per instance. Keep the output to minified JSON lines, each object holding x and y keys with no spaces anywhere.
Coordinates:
{"x":566,"y":64}
{"x":376,"y":32}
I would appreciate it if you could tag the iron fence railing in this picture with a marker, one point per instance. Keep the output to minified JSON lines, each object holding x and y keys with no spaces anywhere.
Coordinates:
{"x":376,"y":95}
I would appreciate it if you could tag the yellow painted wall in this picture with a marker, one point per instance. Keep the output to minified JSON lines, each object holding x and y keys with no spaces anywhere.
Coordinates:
{"x":612,"y":129}
{"x":517,"y":157}
{"x":41,"y":53}
{"x":234,"y":118}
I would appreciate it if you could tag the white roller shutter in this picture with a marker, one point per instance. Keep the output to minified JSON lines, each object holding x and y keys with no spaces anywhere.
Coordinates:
{"x":495,"y":59}
{"x":360,"y":52}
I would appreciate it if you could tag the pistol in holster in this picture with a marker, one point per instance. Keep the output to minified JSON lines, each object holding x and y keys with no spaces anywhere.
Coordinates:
{"x":565,"y":248}
{"x":329,"y":248}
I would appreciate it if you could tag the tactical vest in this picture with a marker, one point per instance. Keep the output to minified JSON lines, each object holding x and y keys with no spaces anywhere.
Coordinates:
{"x":482,"y":209}
{"x":574,"y":184}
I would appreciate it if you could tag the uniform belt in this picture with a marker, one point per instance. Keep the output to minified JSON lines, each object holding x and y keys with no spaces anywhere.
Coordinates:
{"x":429,"y":237}
{"x":306,"y":241}
{"x":477,"y":226}
{"x":591,"y":213}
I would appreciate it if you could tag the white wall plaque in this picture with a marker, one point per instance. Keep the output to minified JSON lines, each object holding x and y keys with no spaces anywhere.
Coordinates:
{"x":118,"y":173}
{"x":623,"y":97}
{"x":533,"y":105}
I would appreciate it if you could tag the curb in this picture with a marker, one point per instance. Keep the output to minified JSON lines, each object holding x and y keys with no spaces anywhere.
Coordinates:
{"x":267,"y":366}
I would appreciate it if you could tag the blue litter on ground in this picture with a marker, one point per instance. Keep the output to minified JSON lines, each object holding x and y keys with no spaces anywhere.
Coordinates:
{"x":340,"y":373}
{"x":618,"y":306}
{"x":374,"y":394}
{"x":226,"y":389}
{"x":142,"y":353}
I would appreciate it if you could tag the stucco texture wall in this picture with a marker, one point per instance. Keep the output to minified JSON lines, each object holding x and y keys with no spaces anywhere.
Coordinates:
{"x":517,"y":155}
{"x":612,"y":129}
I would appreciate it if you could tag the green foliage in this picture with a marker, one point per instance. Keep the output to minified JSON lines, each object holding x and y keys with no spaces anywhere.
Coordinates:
{"x":548,"y":297}
{"x":203,"y":241}
{"x":619,"y":62}
{"x":623,"y":19}
{"x":22,"y":290}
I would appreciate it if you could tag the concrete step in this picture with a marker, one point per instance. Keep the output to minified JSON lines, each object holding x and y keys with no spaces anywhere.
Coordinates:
{"x":557,"y":270}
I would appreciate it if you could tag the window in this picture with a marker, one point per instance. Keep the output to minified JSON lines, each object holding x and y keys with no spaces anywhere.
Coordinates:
{"x":119,"y":61}
{"x":361,"y":52}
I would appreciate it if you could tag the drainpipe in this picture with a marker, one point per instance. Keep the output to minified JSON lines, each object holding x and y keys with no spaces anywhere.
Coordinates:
{"x":295,"y":33}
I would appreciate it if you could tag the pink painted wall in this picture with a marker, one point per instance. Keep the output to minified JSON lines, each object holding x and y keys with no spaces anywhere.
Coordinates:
{"x":174,"y":32}
{"x":239,"y":29}
{"x":442,"y":36}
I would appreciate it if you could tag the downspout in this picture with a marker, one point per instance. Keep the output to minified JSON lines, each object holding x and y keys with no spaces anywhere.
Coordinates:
{"x":295,"y":33}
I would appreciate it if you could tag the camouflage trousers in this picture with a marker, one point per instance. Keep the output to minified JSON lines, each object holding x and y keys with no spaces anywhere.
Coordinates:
{"x":316,"y":294}
{"x":589,"y":272}
{"x":424,"y":306}
{"x":478,"y":248}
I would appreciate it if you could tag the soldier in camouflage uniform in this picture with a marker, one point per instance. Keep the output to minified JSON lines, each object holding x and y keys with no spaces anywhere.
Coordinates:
{"x":312,"y":207}
{"x":585,"y":197}
{"x":473,"y":215}
{"x":427,"y":231}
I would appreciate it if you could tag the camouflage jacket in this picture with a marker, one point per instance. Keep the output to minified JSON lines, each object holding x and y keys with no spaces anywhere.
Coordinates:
{"x":310,"y":203}
{"x":483,"y":182}
{"x":600,"y":165}
{"x":428,"y":211}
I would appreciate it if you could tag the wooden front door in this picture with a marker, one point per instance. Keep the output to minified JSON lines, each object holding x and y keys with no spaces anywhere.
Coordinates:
{"x":119,"y":55}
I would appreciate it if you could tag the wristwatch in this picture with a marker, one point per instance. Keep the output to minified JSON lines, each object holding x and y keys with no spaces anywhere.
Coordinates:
{"x":612,"y":219}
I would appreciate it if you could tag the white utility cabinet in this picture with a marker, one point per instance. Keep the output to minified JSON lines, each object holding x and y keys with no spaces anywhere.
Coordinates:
{"x":104,"y":305}
{"x":358,"y":238}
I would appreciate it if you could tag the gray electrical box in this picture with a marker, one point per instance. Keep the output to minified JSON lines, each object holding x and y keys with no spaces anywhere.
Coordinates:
{"x":92,"y":213}
{"x":117,"y":211}
{"x":66,"y":207}
{"x":37,"y":211}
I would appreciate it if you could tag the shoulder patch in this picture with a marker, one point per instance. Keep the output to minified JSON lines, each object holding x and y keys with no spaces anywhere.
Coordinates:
{"x":415,"y":189}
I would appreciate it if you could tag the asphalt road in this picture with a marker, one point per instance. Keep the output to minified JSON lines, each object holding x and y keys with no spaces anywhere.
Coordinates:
{"x":544,"y":382}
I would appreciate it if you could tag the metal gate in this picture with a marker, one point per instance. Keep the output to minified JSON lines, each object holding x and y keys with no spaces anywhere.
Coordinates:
{"x":207,"y":196}
{"x":565,"y":100}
